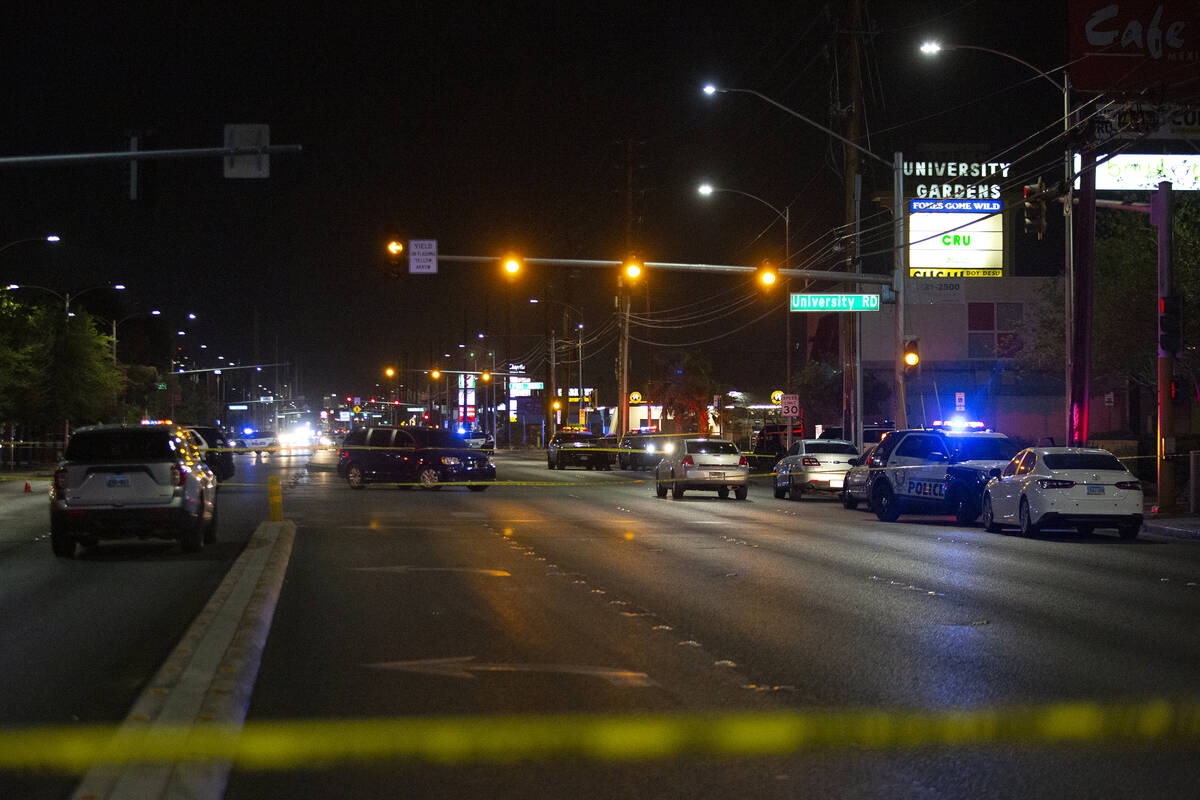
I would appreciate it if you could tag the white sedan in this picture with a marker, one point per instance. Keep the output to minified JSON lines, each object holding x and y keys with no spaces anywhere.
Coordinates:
{"x":702,"y":463}
{"x":1084,"y":488}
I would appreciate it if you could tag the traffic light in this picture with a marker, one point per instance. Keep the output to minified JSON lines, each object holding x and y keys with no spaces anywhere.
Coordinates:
{"x":767,"y":274}
{"x":435,"y":374}
{"x":512,"y":265}
{"x":1170,"y":325}
{"x":632,"y":268}
{"x":1035,"y":208}
{"x":397,"y":255}
{"x":485,"y":376}
{"x":911,"y":358}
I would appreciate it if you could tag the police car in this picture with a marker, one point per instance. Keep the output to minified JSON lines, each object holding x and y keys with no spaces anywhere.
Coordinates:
{"x":937,"y":470}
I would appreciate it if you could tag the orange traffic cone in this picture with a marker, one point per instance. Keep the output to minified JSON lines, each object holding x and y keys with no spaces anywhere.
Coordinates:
{"x":28,"y":488}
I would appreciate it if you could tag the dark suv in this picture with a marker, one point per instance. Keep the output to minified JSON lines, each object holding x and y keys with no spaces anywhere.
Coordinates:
{"x":408,"y":456}
{"x":641,"y":450}
{"x":577,"y":449}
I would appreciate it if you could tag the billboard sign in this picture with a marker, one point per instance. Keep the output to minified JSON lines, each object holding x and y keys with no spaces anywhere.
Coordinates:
{"x":1147,"y":121}
{"x":1134,"y":46}
{"x":956,"y":239}
{"x":1134,"y":172}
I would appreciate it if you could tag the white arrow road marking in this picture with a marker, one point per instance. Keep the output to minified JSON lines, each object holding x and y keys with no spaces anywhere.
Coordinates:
{"x":495,"y":573}
{"x":463,"y":666}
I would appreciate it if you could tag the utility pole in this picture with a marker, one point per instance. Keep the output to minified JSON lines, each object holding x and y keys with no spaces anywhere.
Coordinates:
{"x":848,"y":323}
{"x":1080,"y":356}
{"x":623,"y":301}
{"x":553,"y":384}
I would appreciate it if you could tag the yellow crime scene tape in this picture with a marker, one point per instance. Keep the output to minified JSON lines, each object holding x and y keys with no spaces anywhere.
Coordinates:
{"x":280,"y":745}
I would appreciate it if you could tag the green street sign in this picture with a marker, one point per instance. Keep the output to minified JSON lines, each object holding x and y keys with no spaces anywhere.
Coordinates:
{"x":834,"y":302}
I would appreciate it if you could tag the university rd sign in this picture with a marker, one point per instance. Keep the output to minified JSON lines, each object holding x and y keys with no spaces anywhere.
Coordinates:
{"x":834,"y":302}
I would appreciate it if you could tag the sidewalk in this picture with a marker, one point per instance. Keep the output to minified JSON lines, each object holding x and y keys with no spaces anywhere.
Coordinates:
{"x":1178,"y":524}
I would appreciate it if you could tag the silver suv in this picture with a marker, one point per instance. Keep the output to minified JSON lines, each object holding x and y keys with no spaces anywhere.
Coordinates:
{"x":118,"y":482}
{"x":702,"y":463}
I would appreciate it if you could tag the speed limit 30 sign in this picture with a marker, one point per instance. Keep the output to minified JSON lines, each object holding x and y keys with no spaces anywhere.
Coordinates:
{"x":789,"y":406}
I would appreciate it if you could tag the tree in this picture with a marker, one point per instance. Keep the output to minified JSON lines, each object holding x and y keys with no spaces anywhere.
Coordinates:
{"x":1125,"y":300}
{"x":685,"y":392}
{"x":20,"y":328}
{"x":819,"y":385}
{"x":77,"y":379}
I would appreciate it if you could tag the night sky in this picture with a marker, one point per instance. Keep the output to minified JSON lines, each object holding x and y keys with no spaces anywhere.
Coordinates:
{"x":491,"y":128}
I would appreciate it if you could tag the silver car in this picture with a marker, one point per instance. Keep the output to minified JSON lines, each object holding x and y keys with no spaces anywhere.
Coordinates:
{"x":119,"y":481}
{"x":702,"y":463}
{"x":813,"y":465}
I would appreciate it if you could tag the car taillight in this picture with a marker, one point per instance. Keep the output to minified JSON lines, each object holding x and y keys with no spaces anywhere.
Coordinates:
{"x":687,"y":462}
{"x":60,"y":479}
{"x":1133,"y":485}
{"x":809,"y":461}
{"x":178,"y":474}
{"x":1050,"y":483}
{"x":742,"y":462}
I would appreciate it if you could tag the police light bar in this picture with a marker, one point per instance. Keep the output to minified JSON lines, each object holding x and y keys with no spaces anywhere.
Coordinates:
{"x":157,"y":422}
{"x":960,"y":424}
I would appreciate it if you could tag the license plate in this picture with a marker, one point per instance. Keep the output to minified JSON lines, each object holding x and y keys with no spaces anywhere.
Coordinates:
{"x":1095,"y":490}
{"x":716,"y":474}
{"x":835,"y":483}
{"x":118,"y":481}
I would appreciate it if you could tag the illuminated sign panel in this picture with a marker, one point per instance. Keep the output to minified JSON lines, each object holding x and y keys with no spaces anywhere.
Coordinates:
{"x":834,"y":302}
{"x":524,"y":387}
{"x":1133,"y":172}
{"x":956,"y":238}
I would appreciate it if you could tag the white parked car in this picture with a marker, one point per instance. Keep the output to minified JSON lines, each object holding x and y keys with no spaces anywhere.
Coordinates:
{"x":702,"y":463}
{"x":1046,"y":487}
{"x":814,"y":465}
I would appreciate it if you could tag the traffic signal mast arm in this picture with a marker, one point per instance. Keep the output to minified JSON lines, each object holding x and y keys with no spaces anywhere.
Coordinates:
{"x":654,"y":266}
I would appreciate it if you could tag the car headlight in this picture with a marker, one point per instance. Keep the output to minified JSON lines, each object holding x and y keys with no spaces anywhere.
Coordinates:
{"x":451,"y":461}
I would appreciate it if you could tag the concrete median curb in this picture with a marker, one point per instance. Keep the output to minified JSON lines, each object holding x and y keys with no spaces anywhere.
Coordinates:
{"x":207,"y":680}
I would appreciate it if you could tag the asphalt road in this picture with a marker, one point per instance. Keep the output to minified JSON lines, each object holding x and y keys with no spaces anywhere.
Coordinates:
{"x":579,"y":592}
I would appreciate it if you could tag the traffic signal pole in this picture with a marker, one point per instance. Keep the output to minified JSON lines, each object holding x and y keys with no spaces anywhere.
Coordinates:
{"x":1162,"y":214}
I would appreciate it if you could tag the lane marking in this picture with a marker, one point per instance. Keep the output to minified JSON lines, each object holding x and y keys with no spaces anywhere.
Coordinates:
{"x":463,"y":666}
{"x":401,"y":569}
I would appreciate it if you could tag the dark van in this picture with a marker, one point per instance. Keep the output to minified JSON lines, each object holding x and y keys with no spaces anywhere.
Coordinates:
{"x":408,"y":456}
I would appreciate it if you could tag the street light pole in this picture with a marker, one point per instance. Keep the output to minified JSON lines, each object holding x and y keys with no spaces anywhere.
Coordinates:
{"x":933,"y":48}
{"x":52,"y":239}
{"x":785,"y":214}
{"x":117,"y":322}
{"x":897,"y":167}
{"x":582,"y":409}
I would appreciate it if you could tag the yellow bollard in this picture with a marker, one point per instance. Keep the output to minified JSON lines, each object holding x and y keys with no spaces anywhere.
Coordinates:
{"x":275,"y":498}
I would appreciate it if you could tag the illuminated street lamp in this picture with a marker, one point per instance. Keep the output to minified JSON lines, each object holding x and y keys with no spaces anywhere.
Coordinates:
{"x":896,"y":165}
{"x":932,"y":48}
{"x":117,"y":322}
{"x":579,"y":327}
{"x":768,"y":278}
{"x":68,"y":296}
{"x":52,"y":239}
